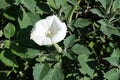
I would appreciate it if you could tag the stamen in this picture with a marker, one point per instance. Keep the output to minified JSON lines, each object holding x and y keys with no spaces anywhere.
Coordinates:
{"x":49,"y":33}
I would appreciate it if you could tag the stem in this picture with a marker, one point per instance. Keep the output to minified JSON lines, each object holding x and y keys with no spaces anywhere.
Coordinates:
{"x":72,"y":11}
{"x":109,"y":7}
{"x":112,"y":17}
{"x":58,"y":48}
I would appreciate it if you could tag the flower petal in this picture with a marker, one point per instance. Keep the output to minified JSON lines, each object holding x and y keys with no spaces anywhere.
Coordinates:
{"x":50,"y":26}
{"x":39,"y":29}
{"x":42,"y":40}
{"x":59,"y":30}
{"x":49,"y":20}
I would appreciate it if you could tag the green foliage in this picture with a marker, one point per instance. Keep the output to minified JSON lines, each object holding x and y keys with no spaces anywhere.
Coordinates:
{"x":112,"y":75}
{"x":69,"y":41}
{"x":85,"y":69}
{"x":9,"y":30}
{"x":53,"y":74}
{"x":4,"y":4}
{"x":81,"y":22}
{"x":90,"y":50}
{"x":40,"y":71}
{"x":80,"y":49}
{"x":116,"y":4}
{"x":29,"y":4}
{"x":8,"y":59}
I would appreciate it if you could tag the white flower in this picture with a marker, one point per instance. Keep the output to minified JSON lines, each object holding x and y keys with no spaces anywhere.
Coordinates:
{"x":48,"y":31}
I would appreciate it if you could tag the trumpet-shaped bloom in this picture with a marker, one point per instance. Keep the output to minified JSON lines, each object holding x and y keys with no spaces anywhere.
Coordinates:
{"x":48,"y":31}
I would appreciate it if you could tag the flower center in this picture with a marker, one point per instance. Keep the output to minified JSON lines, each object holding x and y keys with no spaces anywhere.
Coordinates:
{"x":49,"y":34}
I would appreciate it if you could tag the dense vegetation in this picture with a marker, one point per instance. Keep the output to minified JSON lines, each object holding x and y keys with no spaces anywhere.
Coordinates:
{"x":91,"y":49}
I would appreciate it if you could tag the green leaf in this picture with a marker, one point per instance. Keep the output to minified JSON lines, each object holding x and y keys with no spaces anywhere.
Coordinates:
{"x":33,"y":17}
{"x":97,"y":12}
{"x":113,"y":60}
{"x":52,"y":4}
{"x":25,"y":21}
{"x":8,"y":16}
{"x":69,"y":41}
{"x":81,"y":22}
{"x":68,"y":53}
{"x":66,"y":10}
{"x":73,"y":2}
{"x":54,"y":74}
{"x":3,"y":4}
{"x":112,"y":75}
{"x":9,"y":30}
{"x":80,"y":49}
{"x":7,"y":58}
{"x":40,"y":71}
{"x":116,"y":4}
{"x":104,"y":27}
{"x":103,"y":2}
{"x":60,"y":3}
{"x":25,"y":52}
{"x":116,"y":53}
{"x":113,"y":30}
{"x":29,"y":4}
{"x":7,"y":44}
{"x":108,"y":29}
{"x":82,"y":59}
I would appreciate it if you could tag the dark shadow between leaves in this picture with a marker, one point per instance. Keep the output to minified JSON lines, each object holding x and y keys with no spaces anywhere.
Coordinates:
{"x":10,"y":1}
{"x":44,"y":7}
{"x":23,"y":38}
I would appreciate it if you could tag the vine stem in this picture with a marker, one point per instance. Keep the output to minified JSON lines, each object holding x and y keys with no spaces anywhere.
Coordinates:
{"x":72,"y":11}
{"x":109,"y":7}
